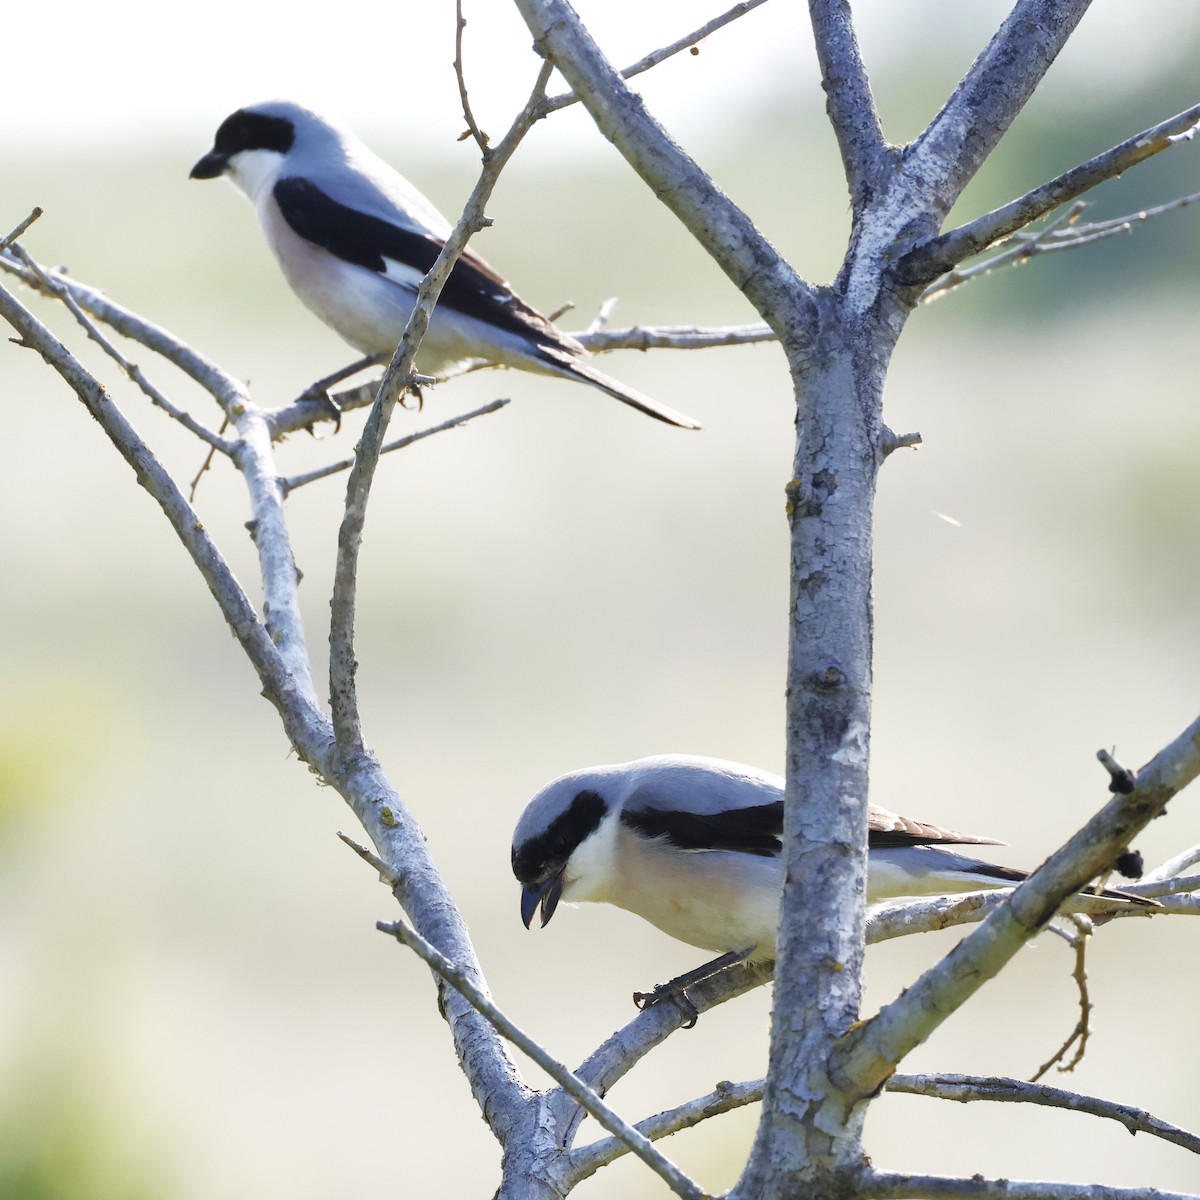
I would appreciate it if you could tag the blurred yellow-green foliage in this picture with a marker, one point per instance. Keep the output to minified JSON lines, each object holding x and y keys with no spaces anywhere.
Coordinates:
{"x":193,"y":999}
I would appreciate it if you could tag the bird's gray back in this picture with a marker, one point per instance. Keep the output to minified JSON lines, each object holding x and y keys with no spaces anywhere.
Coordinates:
{"x":343,"y":167}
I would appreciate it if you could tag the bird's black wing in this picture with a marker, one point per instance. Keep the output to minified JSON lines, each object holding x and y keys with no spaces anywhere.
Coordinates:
{"x":473,"y":288}
{"x":756,"y":830}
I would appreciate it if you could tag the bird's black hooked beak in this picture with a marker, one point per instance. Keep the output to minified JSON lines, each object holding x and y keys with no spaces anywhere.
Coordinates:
{"x":210,"y":166}
{"x":546,"y":894}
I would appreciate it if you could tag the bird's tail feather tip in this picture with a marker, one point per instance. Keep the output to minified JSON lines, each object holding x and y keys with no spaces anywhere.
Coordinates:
{"x":635,"y":399}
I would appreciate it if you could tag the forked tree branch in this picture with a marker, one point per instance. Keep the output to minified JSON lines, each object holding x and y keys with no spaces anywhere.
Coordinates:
{"x":632,"y":1138}
{"x":272,"y":649}
{"x":725,"y":1097}
{"x":722,"y":229}
{"x":260,"y":646}
{"x":932,"y":258}
{"x":1060,"y":233}
{"x":866,"y":1056}
{"x":962,"y":1089}
{"x":57,"y":289}
{"x":617,"y":1056}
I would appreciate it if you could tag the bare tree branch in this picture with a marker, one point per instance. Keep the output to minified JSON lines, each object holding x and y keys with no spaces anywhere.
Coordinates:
{"x":306,"y":410}
{"x":473,"y":130}
{"x":260,"y":647}
{"x":397,"y":378}
{"x":57,"y":289}
{"x":687,"y":42}
{"x":12,"y":236}
{"x":616,"y":1057}
{"x":907,"y":917}
{"x":930,"y":259}
{"x":777,"y":292}
{"x":725,"y":1097}
{"x":1078,"y":1037}
{"x":290,"y":484}
{"x":274,"y":648}
{"x":960,"y":138}
{"x":966,"y":1088}
{"x":851,"y":108}
{"x":1165,"y":887}
{"x":1172,"y":867}
{"x":228,"y":392}
{"x":1017,"y":249}
{"x":866,"y":1056}
{"x":891,"y":1185}
{"x":636,"y":1142}
{"x":673,"y":337}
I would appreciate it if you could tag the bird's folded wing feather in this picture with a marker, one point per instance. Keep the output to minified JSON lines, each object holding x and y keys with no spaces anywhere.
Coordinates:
{"x":753,"y":830}
{"x":405,"y":253}
{"x":889,"y":829}
{"x":758,"y":829}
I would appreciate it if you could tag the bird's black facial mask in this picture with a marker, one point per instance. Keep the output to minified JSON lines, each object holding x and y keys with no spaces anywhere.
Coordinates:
{"x":539,"y":861}
{"x":244,"y":130}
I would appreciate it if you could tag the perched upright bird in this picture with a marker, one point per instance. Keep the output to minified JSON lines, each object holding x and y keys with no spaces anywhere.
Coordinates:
{"x":693,"y":845}
{"x":354,"y":239}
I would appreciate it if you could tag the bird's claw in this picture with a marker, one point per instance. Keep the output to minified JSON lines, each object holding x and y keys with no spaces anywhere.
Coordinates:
{"x":327,"y":408}
{"x":666,"y":991}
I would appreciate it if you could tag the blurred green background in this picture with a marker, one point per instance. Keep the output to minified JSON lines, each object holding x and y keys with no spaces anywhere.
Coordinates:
{"x":193,"y":998}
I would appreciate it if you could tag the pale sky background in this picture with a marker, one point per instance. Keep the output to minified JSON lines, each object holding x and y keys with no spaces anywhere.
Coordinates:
{"x":91,"y":73}
{"x":193,"y":999}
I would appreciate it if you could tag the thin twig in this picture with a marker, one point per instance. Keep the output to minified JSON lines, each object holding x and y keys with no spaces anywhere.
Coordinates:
{"x":867,"y":1055}
{"x":386,"y":874}
{"x":638,"y":337}
{"x":227,"y":392}
{"x":293,"y":482}
{"x":278,"y":684}
{"x":342,"y":665}
{"x":638,"y":1144}
{"x":1018,"y":248}
{"x":927,"y":261}
{"x":1083,"y":1027}
{"x":725,"y":1097}
{"x":673,"y":337}
{"x":473,"y":130}
{"x":1173,"y":866}
{"x":8,"y":239}
{"x":600,"y":321}
{"x":554,"y":103}
{"x":204,"y":466}
{"x":966,"y":1088}
{"x":615,"y":1058}
{"x":55,"y":288}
